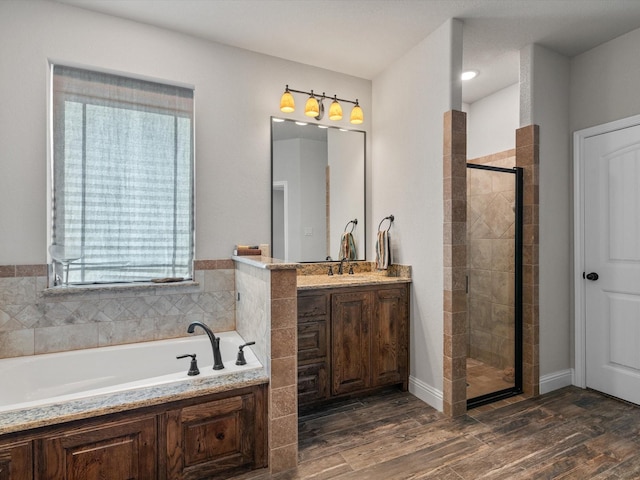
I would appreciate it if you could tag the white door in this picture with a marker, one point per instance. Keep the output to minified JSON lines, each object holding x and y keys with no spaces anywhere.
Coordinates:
{"x":612,"y":262}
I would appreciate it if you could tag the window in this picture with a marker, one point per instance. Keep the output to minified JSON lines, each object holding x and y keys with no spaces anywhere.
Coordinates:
{"x":122,"y":178}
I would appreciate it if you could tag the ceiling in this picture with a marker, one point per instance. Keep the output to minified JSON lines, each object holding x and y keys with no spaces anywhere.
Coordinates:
{"x":363,"y":37}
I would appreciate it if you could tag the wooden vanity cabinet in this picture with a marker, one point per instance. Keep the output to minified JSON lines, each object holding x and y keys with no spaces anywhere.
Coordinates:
{"x":16,"y":461}
{"x":367,"y":337}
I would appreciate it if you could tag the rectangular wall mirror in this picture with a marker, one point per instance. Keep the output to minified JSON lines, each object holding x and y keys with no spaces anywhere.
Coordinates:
{"x":318,"y":191}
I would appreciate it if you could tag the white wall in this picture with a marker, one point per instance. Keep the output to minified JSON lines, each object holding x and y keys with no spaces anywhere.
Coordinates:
{"x":236,"y":92}
{"x":411,"y":97}
{"x":545,"y":83}
{"x":604,"y":82}
{"x":492,"y":122}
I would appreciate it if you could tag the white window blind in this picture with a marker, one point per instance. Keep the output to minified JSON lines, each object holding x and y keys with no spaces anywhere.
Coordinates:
{"x":122,"y":177}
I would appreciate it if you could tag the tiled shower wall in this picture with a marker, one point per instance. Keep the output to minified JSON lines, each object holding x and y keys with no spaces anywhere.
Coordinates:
{"x":34,"y":320}
{"x":490,"y":241}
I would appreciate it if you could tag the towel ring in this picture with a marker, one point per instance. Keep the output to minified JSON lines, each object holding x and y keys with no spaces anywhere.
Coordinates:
{"x":353,"y":223}
{"x":391,"y":218}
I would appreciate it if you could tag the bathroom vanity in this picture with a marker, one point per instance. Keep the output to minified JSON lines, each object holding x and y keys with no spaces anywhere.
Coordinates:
{"x":353,"y":335}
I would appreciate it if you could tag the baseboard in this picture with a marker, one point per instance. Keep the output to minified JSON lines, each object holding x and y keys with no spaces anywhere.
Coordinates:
{"x":554,"y":381}
{"x":426,"y":393}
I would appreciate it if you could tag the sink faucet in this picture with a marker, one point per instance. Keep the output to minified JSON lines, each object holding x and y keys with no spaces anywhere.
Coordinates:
{"x":340,"y":270}
{"x":215,"y":343}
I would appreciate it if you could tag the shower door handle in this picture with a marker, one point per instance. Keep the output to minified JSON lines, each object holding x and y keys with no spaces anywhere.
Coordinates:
{"x":593,"y":276}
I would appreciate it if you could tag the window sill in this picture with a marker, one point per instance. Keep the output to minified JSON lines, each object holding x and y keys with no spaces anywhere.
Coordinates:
{"x":188,"y":286}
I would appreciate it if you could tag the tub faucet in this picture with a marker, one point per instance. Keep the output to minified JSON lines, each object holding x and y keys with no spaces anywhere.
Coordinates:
{"x":215,"y":343}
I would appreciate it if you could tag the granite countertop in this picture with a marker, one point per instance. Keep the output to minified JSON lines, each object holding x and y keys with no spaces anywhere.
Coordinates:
{"x":309,"y":282}
{"x":55,"y":413}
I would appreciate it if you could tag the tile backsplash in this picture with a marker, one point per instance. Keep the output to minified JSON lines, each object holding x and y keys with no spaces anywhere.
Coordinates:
{"x":35,"y":320}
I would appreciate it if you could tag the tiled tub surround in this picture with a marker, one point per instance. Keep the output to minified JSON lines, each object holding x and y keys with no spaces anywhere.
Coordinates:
{"x":36,"y":320}
{"x":41,"y":380}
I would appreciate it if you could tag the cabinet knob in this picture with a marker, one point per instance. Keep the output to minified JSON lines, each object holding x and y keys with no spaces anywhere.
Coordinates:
{"x":220,"y":436}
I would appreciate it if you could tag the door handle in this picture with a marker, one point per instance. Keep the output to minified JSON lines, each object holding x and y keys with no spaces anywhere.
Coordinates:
{"x":593,"y":276}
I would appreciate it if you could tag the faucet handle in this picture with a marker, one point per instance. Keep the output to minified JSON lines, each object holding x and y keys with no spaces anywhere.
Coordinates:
{"x":193,"y":368}
{"x":241,"y":360}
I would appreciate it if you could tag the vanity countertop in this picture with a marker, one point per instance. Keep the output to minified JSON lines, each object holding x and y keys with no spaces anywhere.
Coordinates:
{"x":309,"y":282}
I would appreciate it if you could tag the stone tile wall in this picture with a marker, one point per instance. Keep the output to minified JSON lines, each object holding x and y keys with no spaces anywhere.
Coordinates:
{"x":34,"y":320}
{"x":455,"y":264}
{"x":527,"y":157}
{"x":267,"y":311}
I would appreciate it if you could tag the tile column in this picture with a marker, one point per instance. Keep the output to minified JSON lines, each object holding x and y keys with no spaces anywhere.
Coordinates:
{"x":527,"y":157}
{"x":455,"y":264}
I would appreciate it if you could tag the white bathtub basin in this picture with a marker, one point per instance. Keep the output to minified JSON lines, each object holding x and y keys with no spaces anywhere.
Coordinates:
{"x":38,"y":380}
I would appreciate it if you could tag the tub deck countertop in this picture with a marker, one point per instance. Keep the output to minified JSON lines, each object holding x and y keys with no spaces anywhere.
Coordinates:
{"x":56,"y":413}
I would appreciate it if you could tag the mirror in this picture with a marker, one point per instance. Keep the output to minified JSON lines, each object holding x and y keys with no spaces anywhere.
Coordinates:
{"x":318,"y":190}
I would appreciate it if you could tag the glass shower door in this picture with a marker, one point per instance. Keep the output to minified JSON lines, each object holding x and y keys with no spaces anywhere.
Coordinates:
{"x":494,"y":270}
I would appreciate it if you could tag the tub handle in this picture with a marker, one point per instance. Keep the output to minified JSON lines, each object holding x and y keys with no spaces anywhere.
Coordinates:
{"x":241,"y":360}
{"x":193,"y":368}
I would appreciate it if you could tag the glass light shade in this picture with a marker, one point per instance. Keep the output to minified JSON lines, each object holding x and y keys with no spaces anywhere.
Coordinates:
{"x":287,"y":105}
{"x":335,"y":111}
{"x":357,"y":117}
{"x":312,"y":108}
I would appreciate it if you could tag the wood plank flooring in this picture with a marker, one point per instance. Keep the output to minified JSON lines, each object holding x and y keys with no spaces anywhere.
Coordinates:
{"x":568,"y":434}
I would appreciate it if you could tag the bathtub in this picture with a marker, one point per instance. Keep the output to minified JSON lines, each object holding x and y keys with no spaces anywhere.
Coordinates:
{"x":73,"y":384}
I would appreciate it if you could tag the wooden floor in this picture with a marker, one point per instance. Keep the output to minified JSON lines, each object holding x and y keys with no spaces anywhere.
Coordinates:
{"x":567,"y":434}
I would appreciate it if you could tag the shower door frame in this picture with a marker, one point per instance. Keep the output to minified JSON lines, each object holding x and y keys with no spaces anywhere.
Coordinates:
{"x":518,"y":321}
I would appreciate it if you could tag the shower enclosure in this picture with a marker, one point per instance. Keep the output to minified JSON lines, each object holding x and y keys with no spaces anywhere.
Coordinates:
{"x":494,"y":283}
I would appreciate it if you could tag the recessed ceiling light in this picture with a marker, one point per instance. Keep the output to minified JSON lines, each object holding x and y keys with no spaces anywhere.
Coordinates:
{"x":322,"y":126}
{"x":278,"y":119}
{"x":469,"y":74}
{"x":302,"y":123}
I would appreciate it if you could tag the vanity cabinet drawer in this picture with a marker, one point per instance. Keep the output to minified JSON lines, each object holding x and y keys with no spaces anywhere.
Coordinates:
{"x":313,"y":383}
{"x":312,"y":341}
{"x":314,"y":305}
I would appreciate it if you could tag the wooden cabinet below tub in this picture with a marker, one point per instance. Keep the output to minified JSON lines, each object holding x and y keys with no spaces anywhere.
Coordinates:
{"x":119,"y":450}
{"x":352,"y":340}
{"x":214,"y":436}
{"x":16,"y":461}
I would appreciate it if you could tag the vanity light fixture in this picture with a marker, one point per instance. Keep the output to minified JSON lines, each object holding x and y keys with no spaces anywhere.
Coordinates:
{"x":312,"y":107}
{"x":315,"y":108}
{"x":287,"y":104}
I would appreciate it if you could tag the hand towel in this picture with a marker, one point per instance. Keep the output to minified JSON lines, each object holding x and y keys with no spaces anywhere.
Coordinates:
{"x":347,"y":247}
{"x":383,"y":250}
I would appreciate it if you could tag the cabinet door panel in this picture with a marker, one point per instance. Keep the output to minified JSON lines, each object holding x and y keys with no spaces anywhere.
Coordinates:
{"x":389,"y":332}
{"x":350,"y":341}
{"x":312,"y":305}
{"x":210,"y":439}
{"x":312,"y":383}
{"x":16,"y":462}
{"x":120,"y":451}
{"x":312,"y":341}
